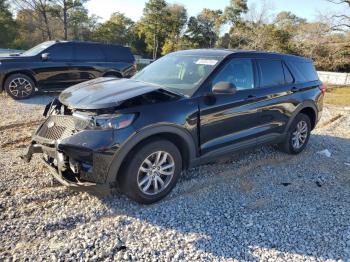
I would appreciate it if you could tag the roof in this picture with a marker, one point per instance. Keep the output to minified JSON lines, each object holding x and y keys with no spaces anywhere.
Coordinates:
{"x":85,"y":42}
{"x":239,"y":53}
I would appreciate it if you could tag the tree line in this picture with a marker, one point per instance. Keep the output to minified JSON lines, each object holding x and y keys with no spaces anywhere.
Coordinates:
{"x":166,"y":27}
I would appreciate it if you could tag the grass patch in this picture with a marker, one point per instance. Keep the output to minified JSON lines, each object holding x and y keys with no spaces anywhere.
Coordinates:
{"x":338,"y":95}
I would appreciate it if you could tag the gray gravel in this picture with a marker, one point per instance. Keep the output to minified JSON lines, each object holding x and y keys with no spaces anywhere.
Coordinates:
{"x":258,"y":205}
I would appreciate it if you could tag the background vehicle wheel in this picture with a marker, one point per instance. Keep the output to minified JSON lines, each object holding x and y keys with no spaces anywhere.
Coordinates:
{"x":152,"y":171}
{"x":298,"y":135}
{"x":19,"y":86}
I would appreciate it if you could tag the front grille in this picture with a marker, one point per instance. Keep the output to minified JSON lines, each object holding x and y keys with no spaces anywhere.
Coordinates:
{"x":58,"y":127}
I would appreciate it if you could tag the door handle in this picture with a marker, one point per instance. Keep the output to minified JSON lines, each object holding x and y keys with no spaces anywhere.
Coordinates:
{"x":250,"y":97}
{"x":294,"y":89}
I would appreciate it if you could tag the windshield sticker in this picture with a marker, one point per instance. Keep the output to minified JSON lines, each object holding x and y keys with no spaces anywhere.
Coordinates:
{"x":206,"y":62}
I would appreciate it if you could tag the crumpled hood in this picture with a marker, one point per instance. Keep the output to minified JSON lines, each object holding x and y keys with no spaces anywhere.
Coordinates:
{"x":104,"y":92}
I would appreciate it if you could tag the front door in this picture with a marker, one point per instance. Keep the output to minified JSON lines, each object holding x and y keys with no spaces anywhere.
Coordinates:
{"x":56,"y":71}
{"x":230,"y":120}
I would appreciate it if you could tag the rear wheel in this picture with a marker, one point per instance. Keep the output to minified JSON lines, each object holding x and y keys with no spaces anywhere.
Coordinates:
{"x":152,"y":171}
{"x":298,"y":135}
{"x":19,"y":86}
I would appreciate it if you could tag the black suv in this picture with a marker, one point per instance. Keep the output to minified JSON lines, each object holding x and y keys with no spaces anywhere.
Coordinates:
{"x":185,"y":109}
{"x":55,"y":65}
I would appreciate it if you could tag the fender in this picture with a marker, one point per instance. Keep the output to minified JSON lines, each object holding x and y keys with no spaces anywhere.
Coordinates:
{"x":141,"y":135}
{"x":301,"y":106}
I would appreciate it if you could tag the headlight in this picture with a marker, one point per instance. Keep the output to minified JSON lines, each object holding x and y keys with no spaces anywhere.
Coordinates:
{"x":103,"y":122}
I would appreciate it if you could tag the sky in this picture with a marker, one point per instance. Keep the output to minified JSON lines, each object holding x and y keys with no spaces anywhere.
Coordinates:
{"x":308,"y":9}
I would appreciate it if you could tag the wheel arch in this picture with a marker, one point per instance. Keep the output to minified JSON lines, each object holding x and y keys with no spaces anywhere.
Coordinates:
{"x":308,"y":108}
{"x":23,"y":72}
{"x":179,"y":137}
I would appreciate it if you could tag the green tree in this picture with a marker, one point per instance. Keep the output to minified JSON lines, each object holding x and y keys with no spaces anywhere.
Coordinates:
{"x":117,"y":30}
{"x":329,"y":50}
{"x":40,"y":12}
{"x":288,"y":21}
{"x":204,"y":29}
{"x":63,"y":10}
{"x":153,"y":25}
{"x":256,"y":36}
{"x":233,"y":12}
{"x":8,"y":26}
{"x":233,"y":16}
{"x":138,"y":45}
{"x":28,"y":32}
{"x":81,"y":25}
{"x":176,"y":22}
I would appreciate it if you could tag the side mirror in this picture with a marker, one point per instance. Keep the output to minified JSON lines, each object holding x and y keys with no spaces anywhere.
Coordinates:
{"x":45,"y":56}
{"x":224,"y":88}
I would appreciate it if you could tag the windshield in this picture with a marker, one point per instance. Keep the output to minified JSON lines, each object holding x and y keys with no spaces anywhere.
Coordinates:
{"x":179,"y":74}
{"x":38,"y":49}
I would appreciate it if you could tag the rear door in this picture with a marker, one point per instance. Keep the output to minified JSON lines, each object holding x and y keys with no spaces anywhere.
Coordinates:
{"x":119,"y":60}
{"x":230,"y":120}
{"x":89,"y":62}
{"x":275,"y":95}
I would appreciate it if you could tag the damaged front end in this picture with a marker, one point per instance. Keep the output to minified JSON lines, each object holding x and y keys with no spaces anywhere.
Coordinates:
{"x":88,"y":124}
{"x":76,"y":153}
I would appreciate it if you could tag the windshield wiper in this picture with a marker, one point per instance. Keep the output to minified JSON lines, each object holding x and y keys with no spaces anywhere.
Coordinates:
{"x":172,"y":91}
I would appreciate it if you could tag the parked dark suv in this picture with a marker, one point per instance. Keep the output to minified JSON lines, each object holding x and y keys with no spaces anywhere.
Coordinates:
{"x":56,"y":65}
{"x":185,"y":109}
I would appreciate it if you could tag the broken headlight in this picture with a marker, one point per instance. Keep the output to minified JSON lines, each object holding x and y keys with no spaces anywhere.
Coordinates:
{"x":104,"y":122}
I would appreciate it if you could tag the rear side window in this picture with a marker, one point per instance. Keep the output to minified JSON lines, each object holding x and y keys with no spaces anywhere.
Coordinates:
{"x":271,"y":72}
{"x":238,"y":72}
{"x":61,"y":52}
{"x":89,"y":53}
{"x":303,"y":71}
{"x":115,"y":53}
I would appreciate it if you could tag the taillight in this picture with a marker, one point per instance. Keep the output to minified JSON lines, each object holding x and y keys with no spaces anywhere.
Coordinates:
{"x":323,"y":88}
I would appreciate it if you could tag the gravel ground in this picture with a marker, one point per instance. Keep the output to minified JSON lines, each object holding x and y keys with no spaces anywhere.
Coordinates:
{"x":258,"y":205}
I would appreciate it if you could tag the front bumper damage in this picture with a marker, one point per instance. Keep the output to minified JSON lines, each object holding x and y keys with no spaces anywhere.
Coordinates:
{"x":75,"y":158}
{"x":55,"y":163}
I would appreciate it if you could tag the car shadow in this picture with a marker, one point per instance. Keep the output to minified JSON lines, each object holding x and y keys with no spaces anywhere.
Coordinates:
{"x":40,"y":98}
{"x":259,"y":200}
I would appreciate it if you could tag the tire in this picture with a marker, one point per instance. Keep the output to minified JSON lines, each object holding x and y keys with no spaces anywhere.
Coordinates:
{"x":138,"y":173}
{"x":19,"y":86}
{"x":290,"y":145}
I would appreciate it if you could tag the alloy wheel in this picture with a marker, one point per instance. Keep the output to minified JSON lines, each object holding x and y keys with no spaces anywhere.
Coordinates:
{"x":300,"y":135}
{"x":156,"y":173}
{"x":20,"y":87}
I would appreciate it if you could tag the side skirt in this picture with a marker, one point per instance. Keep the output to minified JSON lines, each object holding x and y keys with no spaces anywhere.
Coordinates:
{"x":238,"y":147}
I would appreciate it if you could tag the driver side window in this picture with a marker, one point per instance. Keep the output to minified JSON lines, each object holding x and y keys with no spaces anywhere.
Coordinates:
{"x":61,"y":52}
{"x":238,"y":72}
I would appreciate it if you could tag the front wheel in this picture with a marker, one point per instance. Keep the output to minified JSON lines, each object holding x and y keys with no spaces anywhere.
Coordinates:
{"x":19,"y":86}
{"x":298,"y":135}
{"x":151,"y":172}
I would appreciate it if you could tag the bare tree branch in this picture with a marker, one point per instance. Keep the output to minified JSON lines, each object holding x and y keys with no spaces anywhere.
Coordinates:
{"x":39,"y":7}
{"x":342,"y":21}
{"x":338,"y":2}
